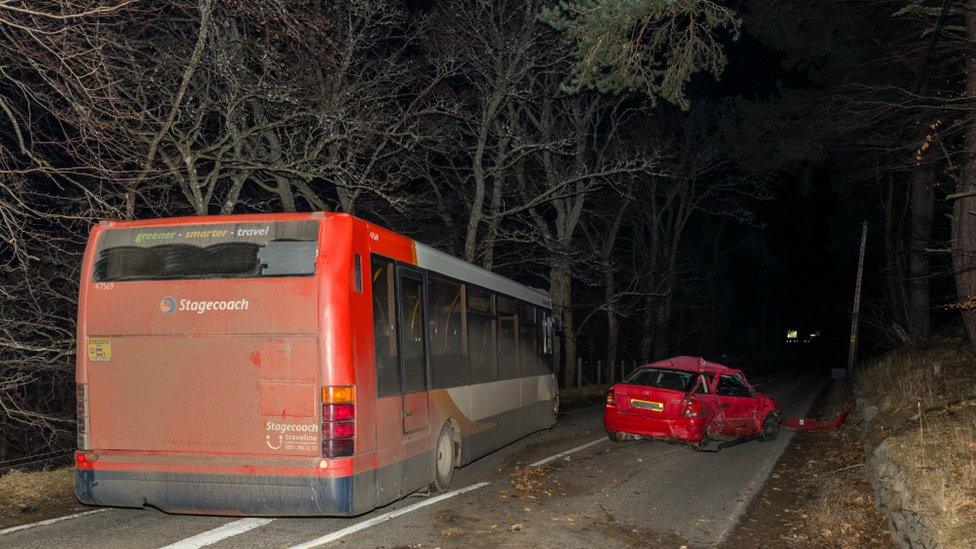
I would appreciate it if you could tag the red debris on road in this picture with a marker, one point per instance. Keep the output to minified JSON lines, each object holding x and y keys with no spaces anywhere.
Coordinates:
{"x":802,"y":424}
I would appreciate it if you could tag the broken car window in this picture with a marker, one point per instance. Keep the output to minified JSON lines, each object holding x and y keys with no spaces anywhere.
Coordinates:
{"x":730,"y":385}
{"x":663,"y":378}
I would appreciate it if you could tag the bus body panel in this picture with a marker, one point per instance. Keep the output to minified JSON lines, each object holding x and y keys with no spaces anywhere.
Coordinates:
{"x":205,"y":379}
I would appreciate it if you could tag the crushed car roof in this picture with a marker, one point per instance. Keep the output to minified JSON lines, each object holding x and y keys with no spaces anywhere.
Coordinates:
{"x":691,"y":364}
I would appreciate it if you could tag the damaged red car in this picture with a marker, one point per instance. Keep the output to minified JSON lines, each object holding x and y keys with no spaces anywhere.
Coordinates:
{"x":689,"y":400}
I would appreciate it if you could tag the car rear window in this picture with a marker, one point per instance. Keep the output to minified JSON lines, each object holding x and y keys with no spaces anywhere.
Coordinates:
{"x":663,"y":378}
{"x":215,"y":250}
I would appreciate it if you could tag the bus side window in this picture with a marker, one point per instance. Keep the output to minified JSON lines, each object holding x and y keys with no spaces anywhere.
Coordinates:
{"x":508,"y":360}
{"x":544,"y":333}
{"x":527,"y":340}
{"x":385,"y":327}
{"x":482,"y":333}
{"x":445,"y":307}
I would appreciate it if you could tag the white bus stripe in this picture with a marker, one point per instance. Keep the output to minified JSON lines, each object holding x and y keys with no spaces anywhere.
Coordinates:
{"x":13,"y":529}
{"x":567,"y":452}
{"x":384,"y":517}
{"x":213,"y":536}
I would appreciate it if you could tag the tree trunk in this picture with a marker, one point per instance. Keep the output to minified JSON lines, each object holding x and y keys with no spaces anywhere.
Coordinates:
{"x":922,"y":200}
{"x":560,"y":289}
{"x":964,"y":220}
{"x":647,"y":330}
{"x":893,"y":266}
{"x":285,"y":194}
{"x":613,"y":323}
{"x":662,"y":317}
{"x":230,"y":201}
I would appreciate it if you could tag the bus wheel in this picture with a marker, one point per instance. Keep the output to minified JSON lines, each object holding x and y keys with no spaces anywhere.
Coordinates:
{"x":443,"y":460}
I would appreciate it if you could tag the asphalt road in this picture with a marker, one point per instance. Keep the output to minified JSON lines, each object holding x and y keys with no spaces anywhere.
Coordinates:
{"x":604,"y":494}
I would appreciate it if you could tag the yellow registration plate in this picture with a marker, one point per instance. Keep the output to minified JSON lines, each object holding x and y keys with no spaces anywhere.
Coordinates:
{"x":647,"y":405}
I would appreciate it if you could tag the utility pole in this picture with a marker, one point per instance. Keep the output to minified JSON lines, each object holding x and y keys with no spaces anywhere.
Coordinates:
{"x":855,"y":317}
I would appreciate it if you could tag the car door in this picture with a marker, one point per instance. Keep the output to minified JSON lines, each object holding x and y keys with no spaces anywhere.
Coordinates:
{"x":702,"y":392}
{"x":737,"y":406}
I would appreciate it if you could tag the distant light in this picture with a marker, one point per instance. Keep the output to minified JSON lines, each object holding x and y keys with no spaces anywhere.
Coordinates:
{"x":815,"y":334}
{"x":792,"y":334}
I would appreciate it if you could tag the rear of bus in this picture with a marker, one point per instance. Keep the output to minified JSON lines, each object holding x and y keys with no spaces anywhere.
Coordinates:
{"x":207,"y":378}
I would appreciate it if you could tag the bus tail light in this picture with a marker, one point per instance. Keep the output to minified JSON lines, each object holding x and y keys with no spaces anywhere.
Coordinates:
{"x":82,"y":463}
{"x":338,"y":420}
{"x":81,"y":394}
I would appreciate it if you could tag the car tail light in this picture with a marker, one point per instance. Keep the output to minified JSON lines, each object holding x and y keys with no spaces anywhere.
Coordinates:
{"x":611,"y":400}
{"x":691,"y":408}
{"x":81,"y":395}
{"x":338,"y":420}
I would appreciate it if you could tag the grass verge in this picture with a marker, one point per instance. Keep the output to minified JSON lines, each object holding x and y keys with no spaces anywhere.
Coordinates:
{"x":926,"y":406}
{"x":36,"y":495}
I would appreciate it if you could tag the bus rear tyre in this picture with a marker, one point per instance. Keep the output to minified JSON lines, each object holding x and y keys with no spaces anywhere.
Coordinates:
{"x":443,"y":460}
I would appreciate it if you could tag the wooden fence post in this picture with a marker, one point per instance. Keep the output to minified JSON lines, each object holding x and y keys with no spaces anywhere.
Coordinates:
{"x":579,"y":372}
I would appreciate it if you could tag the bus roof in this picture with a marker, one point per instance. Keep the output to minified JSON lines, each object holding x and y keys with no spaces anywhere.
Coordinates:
{"x":448,"y":265}
{"x":427,"y":257}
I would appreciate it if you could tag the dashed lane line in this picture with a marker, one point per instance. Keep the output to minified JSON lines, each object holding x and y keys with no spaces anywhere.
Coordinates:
{"x":13,"y":529}
{"x":328,"y":538}
{"x":213,"y":536}
{"x":567,"y":452}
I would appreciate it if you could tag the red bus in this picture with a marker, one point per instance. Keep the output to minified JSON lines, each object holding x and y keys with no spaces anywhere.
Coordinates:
{"x":295,"y":364}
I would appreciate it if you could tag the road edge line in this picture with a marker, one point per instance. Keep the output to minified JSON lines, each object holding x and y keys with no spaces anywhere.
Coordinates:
{"x":54,"y":520}
{"x":567,"y":452}
{"x":328,"y":538}
{"x":220,"y":533}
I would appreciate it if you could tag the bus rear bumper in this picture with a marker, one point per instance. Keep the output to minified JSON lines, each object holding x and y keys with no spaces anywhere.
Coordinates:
{"x":217,"y":494}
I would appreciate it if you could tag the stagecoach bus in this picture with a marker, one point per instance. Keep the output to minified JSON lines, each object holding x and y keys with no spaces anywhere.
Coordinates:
{"x":295,"y":364}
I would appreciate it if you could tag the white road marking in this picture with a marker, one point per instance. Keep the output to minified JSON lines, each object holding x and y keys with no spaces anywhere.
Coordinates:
{"x":567,"y":452}
{"x":13,"y":529}
{"x":213,"y":536}
{"x":384,"y":517}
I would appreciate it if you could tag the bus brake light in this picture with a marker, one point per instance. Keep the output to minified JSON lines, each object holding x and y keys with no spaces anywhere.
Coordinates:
{"x":338,"y":420}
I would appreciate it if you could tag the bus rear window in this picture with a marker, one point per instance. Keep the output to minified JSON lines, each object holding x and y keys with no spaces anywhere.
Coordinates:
{"x":222,"y":250}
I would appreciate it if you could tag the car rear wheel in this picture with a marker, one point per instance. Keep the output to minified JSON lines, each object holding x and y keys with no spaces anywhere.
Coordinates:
{"x":443,"y":460}
{"x":770,"y":427}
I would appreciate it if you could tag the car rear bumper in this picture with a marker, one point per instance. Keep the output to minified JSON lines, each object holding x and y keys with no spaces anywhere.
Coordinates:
{"x":684,"y":429}
{"x":220,"y":494}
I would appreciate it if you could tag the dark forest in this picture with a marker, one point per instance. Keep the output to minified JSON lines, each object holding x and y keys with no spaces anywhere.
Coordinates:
{"x":682,"y":177}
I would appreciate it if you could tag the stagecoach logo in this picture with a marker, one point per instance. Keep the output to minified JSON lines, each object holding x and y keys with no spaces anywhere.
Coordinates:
{"x":168,"y":305}
{"x":291,"y":436}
